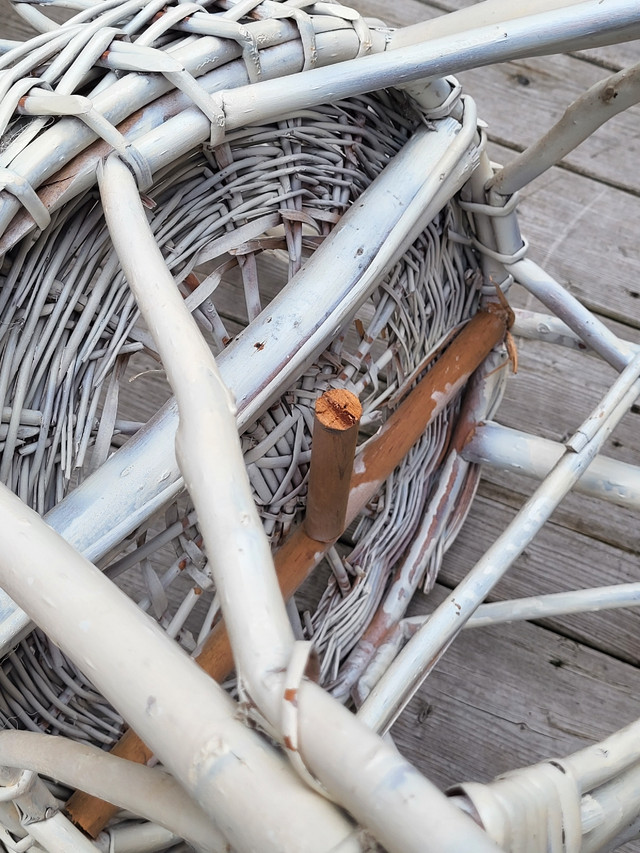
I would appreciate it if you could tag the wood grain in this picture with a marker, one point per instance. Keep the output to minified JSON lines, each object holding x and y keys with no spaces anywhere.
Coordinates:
{"x":335,"y":433}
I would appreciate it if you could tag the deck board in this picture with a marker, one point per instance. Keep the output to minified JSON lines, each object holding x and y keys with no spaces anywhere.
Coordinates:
{"x":583,"y":232}
{"x":511,"y":695}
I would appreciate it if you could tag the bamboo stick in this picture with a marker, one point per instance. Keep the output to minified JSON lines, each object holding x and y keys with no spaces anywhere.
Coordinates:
{"x":335,"y":432}
{"x":299,"y":555}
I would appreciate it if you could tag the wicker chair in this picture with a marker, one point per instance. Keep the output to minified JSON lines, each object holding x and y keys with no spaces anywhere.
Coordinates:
{"x":245,"y":212}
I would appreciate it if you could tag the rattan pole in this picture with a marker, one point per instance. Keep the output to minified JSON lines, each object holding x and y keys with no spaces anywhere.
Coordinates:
{"x":448,"y":376}
{"x":92,"y":814}
{"x":335,"y":432}
{"x":300,"y":553}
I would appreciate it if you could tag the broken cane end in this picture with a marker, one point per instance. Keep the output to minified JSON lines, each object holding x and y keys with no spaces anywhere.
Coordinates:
{"x":335,"y":434}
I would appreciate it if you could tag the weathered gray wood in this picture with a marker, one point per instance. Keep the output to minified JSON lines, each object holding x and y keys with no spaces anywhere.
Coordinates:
{"x":558,"y":559}
{"x":11,"y":25}
{"x":584,"y":234}
{"x":588,"y":516}
{"x":507,"y":697}
{"x":510,"y":696}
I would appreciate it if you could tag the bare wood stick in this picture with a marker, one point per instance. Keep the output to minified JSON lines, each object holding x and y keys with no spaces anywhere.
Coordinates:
{"x":335,"y":432}
{"x":300,"y":554}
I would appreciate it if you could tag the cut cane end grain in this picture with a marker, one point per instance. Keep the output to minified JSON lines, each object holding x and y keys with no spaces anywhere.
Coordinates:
{"x":338,"y":409}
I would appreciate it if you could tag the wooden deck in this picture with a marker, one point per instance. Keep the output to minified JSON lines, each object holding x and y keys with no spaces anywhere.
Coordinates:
{"x":509,"y":696}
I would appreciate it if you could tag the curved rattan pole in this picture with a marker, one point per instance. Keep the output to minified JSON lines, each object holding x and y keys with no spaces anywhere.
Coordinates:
{"x":600,"y":103}
{"x":585,"y":24}
{"x":145,"y":791}
{"x":618,"y":805}
{"x":522,"y":453}
{"x":334,"y":745}
{"x":601,"y":762}
{"x":300,"y":554}
{"x":426,"y":648}
{"x":8,"y":44}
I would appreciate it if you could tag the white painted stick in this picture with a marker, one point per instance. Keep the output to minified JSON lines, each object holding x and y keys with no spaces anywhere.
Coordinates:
{"x":56,"y":834}
{"x":29,"y":807}
{"x":544,"y":606}
{"x":521,"y":453}
{"x":136,"y":838}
